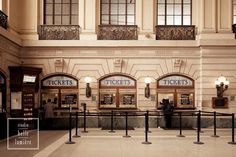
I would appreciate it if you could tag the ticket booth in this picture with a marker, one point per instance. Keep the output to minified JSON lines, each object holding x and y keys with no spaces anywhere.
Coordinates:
{"x":179,"y":89}
{"x":117,"y":92}
{"x":2,"y":93}
{"x":58,"y":88}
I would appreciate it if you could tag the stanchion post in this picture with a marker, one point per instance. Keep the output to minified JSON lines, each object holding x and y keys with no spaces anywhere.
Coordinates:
{"x":148,"y":122}
{"x":198,"y":129}
{"x":146,"y":130}
{"x":233,"y":140}
{"x":215,"y":126}
{"x":85,"y":125}
{"x":180,"y":125}
{"x":112,"y":119}
{"x":76,"y":125}
{"x":70,"y":141}
{"x":126,"y":125}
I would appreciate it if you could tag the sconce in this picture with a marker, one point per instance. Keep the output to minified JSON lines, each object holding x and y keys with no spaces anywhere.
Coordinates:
{"x":88,"y":88}
{"x":221,"y":86}
{"x":147,"y":88}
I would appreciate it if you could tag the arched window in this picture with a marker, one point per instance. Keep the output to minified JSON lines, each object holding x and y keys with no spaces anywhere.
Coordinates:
{"x":174,"y":12}
{"x":117,"y":12}
{"x":61,"y":12}
{"x":117,"y":92}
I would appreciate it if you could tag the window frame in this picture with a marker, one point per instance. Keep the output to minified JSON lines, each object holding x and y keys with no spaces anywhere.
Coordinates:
{"x":70,"y":15}
{"x":118,"y":14}
{"x":174,"y":15}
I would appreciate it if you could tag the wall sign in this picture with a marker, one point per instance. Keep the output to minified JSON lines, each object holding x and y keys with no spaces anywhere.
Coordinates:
{"x":117,"y":81}
{"x":59,"y":81}
{"x":176,"y":80}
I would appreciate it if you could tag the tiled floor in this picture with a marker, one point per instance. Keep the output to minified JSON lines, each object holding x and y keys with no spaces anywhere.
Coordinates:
{"x":100,"y":143}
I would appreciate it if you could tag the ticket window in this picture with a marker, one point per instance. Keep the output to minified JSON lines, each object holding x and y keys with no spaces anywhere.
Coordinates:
{"x":127,"y":98}
{"x":107,"y":98}
{"x":161,"y":96}
{"x":185,"y":100}
{"x":73,"y":103}
{"x":52,"y":96}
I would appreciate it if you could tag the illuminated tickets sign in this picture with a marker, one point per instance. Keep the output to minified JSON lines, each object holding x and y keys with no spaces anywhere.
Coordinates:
{"x":117,"y":81}
{"x":59,"y":81}
{"x":175,"y":81}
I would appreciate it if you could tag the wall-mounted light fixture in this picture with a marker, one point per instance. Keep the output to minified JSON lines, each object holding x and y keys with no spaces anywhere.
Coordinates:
{"x":147,"y":80}
{"x":222,"y":85}
{"x":88,"y":80}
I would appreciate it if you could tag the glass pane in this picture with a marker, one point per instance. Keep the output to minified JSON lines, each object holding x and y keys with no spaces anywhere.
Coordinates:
{"x":57,"y":20}
{"x":161,"y":20}
{"x":65,"y":20}
{"x":130,"y":20}
{"x":66,"y":9}
{"x":170,"y":20}
{"x":75,"y":1}
{"x":74,"y":9}
{"x":131,"y":1}
{"x":105,"y":19}
{"x":48,"y":20}
{"x":234,"y":1}
{"x":178,"y":1}
{"x":121,"y":20}
{"x":65,"y":1}
{"x":161,"y":9}
{"x":49,"y":9}
{"x":114,"y":1}
{"x":234,"y":22}
{"x":114,"y":9}
{"x":57,"y":8}
{"x":170,"y":9}
{"x":72,"y":102}
{"x":74,"y":20}
{"x":234,"y":10}
{"x":122,"y":1}
{"x":160,"y":1}
{"x":168,"y":96}
{"x":57,"y":1}
{"x":49,"y":1}
{"x":170,"y":1}
{"x":105,"y":9}
{"x":177,"y":20}
{"x":52,"y":96}
{"x":185,"y":99}
{"x":104,"y":1}
{"x":177,"y":9}
{"x":186,"y":20}
{"x":130,"y":9}
{"x":187,"y":9}
{"x":114,"y":20}
{"x":122,"y":9}
{"x":187,"y":1}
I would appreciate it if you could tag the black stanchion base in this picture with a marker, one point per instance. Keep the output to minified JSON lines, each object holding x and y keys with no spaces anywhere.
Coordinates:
{"x":112,"y":131}
{"x":84,"y":131}
{"x":215,"y":136}
{"x":198,"y":142}
{"x":127,"y":136}
{"x":180,"y":136}
{"x":69,"y":142}
{"x":76,"y":136}
{"x":234,"y":143}
{"x":146,"y":142}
